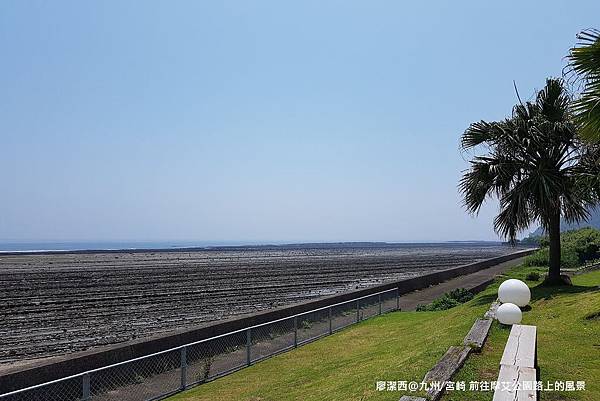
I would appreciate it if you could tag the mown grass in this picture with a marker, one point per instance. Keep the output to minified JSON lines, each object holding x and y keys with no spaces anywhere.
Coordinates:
{"x":347,"y":365}
{"x":405,"y":345}
{"x":568,"y":341}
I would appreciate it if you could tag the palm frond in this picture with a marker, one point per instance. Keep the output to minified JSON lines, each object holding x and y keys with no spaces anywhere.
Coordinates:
{"x":514,"y":213}
{"x":477,"y":134}
{"x":476,"y":185}
{"x":585,"y":61}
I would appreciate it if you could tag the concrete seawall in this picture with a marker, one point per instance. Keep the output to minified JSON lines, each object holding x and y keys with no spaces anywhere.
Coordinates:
{"x":58,"y":367}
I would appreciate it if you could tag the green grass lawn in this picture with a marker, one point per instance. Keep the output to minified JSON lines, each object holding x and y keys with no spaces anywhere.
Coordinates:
{"x":568,"y":324}
{"x":405,"y":345}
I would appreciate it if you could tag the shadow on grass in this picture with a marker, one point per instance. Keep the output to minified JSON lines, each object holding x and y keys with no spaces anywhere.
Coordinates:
{"x":544,"y":292}
{"x":539,"y":292}
{"x":484,"y":300}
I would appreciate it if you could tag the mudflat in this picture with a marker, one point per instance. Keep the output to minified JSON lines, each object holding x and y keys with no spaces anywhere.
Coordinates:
{"x":54,"y":304}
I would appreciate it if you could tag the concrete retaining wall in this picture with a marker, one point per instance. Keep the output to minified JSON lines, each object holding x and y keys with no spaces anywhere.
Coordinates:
{"x":55,"y":368}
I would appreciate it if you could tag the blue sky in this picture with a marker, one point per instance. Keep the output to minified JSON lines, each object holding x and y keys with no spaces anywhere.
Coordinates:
{"x":259,"y":121}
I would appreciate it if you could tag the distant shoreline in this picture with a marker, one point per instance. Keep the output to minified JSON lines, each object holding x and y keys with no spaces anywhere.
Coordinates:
{"x":166,"y":248}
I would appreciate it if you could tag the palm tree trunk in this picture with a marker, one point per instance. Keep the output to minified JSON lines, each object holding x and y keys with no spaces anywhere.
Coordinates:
{"x":554,"y":251}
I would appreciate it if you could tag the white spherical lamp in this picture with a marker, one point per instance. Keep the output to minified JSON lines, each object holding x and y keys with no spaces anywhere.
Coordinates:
{"x":515,"y":292}
{"x":509,"y":314}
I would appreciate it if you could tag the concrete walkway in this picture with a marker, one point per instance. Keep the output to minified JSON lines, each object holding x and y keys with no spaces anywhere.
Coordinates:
{"x":409,"y":302}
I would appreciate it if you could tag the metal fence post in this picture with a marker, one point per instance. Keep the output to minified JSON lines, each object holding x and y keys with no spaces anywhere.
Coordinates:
{"x":295,"y":331}
{"x":344,"y":310}
{"x":248,"y":345}
{"x":85,"y":389}
{"x":183,"y":364}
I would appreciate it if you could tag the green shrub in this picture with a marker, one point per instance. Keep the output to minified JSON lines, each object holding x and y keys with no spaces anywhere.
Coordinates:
{"x":585,"y":242}
{"x":538,"y":258}
{"x":448,"y":300}
{"x":461,"y":295}
{"x":577,"y":247}
{"x":568,"y":257}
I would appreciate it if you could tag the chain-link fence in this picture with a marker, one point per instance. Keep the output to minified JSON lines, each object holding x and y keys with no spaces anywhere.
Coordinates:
{"x":159,"y":375}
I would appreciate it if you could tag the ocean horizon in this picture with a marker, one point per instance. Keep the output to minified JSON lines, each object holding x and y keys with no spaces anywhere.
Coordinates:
{"x":76,"y":246}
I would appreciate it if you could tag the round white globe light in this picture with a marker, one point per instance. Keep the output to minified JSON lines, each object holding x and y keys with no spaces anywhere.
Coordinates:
{"x":509,"y":314}
{"x":515,"y":292}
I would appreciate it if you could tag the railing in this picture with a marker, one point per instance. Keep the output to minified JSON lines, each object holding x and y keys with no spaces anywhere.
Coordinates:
{"x":159,"y":375}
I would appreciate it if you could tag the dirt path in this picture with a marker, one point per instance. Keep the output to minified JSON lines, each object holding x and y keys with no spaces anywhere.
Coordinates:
{"x":410,"y":301}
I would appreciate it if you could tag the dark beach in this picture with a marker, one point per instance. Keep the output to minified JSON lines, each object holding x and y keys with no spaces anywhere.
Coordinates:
{"x":58,"y":303}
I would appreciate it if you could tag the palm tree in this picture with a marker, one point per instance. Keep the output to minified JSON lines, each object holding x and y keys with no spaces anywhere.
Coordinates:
{"x":536,"y":166}
{"x":584,"y":61}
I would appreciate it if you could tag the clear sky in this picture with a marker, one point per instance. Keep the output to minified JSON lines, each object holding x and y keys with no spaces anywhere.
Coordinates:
{"x":259,"y":120}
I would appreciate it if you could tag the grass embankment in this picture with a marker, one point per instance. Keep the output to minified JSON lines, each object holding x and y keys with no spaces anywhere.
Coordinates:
{"x":568,"y":324}
{"x":405,"y":345}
